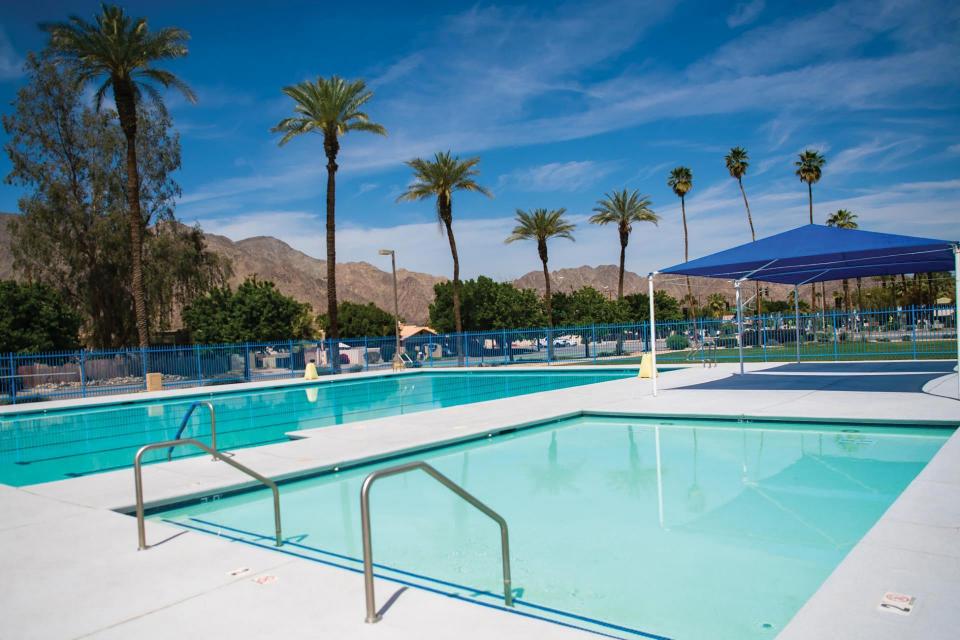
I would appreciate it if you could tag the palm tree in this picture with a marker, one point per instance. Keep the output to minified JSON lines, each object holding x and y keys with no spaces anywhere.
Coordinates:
{"x":717,"y":305}
{"x":809,"y":169}
{"x":845,"y":219}
{"x":623,"y":208}
{"x":541,"y":225}
{"x":681,"y":181}
{"x":439,"y":178}
{"x":121,"y":51}
{"x":331,"y":107}
{"x":737,"y":162}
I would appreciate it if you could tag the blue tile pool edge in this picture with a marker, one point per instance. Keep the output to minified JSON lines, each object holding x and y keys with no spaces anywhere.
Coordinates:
{"x":743,"y":421}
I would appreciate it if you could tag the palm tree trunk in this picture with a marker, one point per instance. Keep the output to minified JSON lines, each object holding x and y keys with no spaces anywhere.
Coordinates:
{"x":446,"y":215}
{"x":549,"y":306}
{"x":127,"y":111}
{"x":686,"y":247}
{"x":623,"y":257}
{"x":331,"y":147}
{"x":813,"y":287}
{"x":753,"y":237}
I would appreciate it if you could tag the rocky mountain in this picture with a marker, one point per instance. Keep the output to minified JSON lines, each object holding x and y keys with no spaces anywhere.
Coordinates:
{"x":604,"y":279}
{"x":298,"y":275}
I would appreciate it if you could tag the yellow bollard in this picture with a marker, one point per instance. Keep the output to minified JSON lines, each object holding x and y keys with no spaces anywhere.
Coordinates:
{"x":310,"y":373}
{"x":646,"y":366}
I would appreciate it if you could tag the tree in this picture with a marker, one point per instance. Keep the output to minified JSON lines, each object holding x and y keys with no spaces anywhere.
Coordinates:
{"x":256,"y":311}
{"x":121,"y":51}
{"x":486,"y":305}
{"x":681,"y":181}
{"x":623,"y":209}
{"x":33,"y":317}
{"x":362,"y":320}
{"x":666,"y":307}
{"x":738,"y":162}
{"x":74,"y":232}
{"x":541,"y":225}
{"x":331,"y":107}
{"x":717,"y":305}
{"x":809,"y":168}
{"x":439,"y":178}
{"x":845,"y":219}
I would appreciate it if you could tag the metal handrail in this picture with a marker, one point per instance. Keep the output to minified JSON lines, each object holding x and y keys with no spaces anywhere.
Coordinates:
{"x":449,"y":484}
{"x":186,"y":418}
{"x":138,"y":484}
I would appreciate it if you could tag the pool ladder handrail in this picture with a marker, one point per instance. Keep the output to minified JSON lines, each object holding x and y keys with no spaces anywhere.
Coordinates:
{"x":372,"y":615}
{"x":186,"y":419}
{"x":138,"y":484}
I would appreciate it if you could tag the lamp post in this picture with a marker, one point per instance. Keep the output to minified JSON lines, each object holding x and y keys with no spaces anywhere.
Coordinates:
{"x":397,"y":360}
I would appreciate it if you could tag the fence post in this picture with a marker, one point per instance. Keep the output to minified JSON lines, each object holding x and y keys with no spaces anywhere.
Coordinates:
{"x":246,"y":361}
{"x":292,"y":374}
{"x":466,"y":349}
{"x":763,"y":335}
{"x":143,"y":361}
{"x":366,"y":353}
{"x":430,"y":344}
{"x":913,"y":323}
{"x":196,"y":358}
{"x":549,"y":345}
{"x":593,"y":339}
{"x":836,"y":353}
{"x":83,"y":377}
{"x":13,"y":379}
{"x":330,"y":363}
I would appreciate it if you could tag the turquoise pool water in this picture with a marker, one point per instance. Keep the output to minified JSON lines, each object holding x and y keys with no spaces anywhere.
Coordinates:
{"x":54,"y":445}
{"x":671,"y":528}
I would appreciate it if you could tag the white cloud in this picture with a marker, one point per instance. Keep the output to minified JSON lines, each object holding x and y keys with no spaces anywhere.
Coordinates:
{"x":556,"y":176}
{"x":745,"y":13}
{"x":11,"y":63}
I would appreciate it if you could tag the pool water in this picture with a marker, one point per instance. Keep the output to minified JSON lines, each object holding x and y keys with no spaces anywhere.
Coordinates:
{"x":632,"y":526}
{"x":41,"y":446}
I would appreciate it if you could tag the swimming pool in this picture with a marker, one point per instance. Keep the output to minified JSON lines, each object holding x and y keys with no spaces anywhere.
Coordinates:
{"x":637,"y":527}
{"x":41,"y":446}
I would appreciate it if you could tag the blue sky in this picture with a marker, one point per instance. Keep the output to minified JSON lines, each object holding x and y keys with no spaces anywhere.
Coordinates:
{"x":562,"y":102}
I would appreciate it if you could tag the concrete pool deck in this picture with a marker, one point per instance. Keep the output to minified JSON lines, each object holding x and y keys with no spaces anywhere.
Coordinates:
{"x":74,"y":571}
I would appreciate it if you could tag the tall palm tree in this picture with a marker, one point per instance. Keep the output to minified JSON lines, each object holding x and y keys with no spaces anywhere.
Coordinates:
{"x":809,"y":169}
{"x":623,"y":208}
{"x":738,"y":162}
{"x":845,"y":219}
{"x":542,"y":225}
{"x":331,"y":107}
{"x":120,"y":51}
{"x":439,"y":178}
{"x":681,"y":181}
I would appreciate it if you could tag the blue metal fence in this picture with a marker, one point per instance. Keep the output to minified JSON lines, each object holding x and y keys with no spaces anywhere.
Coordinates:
{"x":906,"y":333}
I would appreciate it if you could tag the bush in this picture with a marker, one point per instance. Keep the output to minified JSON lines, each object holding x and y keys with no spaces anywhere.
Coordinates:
{"x":677,"y":341}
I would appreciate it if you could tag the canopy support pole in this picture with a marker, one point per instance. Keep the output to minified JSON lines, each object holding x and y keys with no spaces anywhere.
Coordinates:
{"x":956,"y":307}
{"x":653,"y":334}
{"x":736,"y":285}
{"x":796,"y":317}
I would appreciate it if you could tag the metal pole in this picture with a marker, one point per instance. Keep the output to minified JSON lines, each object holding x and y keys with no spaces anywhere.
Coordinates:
{"x":396,"y":299}
{"x":956,"y":308}
{"x":653,"y":334}
{"x":796,"y":317}
{"x":736,"y":285}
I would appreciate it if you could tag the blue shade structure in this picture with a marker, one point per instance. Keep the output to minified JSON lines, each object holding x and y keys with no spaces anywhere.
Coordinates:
{"x":815,"y":253}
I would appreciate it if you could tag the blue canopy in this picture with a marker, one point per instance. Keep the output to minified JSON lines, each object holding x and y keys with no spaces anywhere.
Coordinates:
{"x":813,"y":253}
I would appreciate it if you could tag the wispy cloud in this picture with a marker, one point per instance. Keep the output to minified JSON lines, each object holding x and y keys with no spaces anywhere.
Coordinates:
{"x":11,"y":63}
{"x":745,"y":13}
{"x":557,"y":176}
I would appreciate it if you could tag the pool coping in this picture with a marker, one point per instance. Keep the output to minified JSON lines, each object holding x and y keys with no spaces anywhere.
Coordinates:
{"x":867,"y":567}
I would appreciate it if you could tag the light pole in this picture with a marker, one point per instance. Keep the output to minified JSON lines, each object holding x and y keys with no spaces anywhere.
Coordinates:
{"x":397,"y":360}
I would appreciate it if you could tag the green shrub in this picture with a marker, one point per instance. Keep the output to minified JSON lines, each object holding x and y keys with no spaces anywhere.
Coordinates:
{"x":677,"y":341}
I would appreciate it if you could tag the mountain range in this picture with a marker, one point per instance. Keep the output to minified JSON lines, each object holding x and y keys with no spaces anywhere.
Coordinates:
{"x":303,"y":277}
